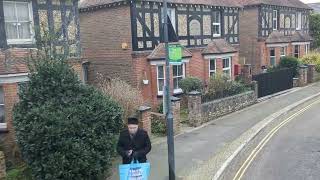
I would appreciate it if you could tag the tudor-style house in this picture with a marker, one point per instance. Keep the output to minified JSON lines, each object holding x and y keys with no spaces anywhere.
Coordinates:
{"x":123,"y":39}
{"x":20,"y":33}
{"x":271,"y":29}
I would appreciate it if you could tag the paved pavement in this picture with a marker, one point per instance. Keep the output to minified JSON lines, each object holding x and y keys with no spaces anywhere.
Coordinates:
{"x":191,"y":149}
{"x":293,"y":153}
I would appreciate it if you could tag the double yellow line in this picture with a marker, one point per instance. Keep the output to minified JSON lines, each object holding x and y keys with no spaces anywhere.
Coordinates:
{"x":266,"y":139}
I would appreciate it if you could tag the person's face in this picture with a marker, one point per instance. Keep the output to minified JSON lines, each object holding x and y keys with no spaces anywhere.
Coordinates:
{"x":133,"y":128}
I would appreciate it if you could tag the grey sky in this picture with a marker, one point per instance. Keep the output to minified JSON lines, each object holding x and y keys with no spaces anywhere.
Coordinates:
{"x":310,"y":1}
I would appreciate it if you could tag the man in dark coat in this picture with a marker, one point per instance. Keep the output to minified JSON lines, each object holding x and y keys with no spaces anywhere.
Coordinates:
{"x":134,"y":143}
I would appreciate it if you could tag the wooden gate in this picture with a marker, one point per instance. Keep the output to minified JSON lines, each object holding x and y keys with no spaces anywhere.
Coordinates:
{"x":273,"y":82}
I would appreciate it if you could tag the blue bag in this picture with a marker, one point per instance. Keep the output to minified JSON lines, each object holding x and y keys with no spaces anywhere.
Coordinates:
{"x":134,"y":171}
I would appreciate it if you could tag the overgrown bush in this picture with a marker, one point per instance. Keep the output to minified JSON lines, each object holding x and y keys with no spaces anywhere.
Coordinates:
{"x":220,"y":86}
{"x":128,"y":97}
{"x":65,"y":130}
{"x":290,"y":62}
{"x":191,"y":84}
{"x":160,"y":108}
{"x":22,"y":172}
{"x":158,"y":127}
{"x":312,"y":58}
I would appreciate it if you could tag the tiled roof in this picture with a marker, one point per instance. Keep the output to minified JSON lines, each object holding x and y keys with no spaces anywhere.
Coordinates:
{"x":226,"y":3}
{"x":278,"y":37}
{"x":288,"y":3}
{"x":219,"y":46}
{"x":159,"y":52}
{"x":315,"y":7}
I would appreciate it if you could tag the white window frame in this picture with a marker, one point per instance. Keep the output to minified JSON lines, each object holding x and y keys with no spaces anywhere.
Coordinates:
{"x":3,"y":125}
{"x":275,"y":19}
{"x":272,"y":57}
{"x":178,"y":90}
{"x":298,"y":21}
{"x":228,"y":68}
{"x":217,"y":24}
{"x":215,"y":66}
{"x":294,"y":51}
{"x":285,"y":51}
{"x":172,"y":16}
{"x":307,"y":47}
{"x":22,"y":41}
{"x":160,"y":93}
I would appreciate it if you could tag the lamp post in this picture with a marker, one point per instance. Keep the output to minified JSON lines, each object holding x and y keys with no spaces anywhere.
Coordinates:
{"x":169,"y":116}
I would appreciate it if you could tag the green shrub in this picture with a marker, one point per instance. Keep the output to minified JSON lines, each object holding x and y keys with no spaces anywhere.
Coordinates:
{"x":65,"y":130}
{"x":290,"y":62}
{"x":220,"y":87}
{"x":19,"y":173}
{"x":312,"y":58}
{"x":191,"y":84}
{"x":160,"y":108}
{"x":158,"y":127}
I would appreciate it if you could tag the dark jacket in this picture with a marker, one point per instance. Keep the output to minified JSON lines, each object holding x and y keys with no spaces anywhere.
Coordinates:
{"x":140,"y":144}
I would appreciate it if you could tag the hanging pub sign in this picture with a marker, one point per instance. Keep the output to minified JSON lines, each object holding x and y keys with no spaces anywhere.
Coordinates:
{"x":175,"y":53}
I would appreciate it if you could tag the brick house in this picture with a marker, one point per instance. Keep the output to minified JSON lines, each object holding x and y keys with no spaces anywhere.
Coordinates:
{"x":20,"y":34}
{"x":271,"y":29}
{"x":123,"y":39}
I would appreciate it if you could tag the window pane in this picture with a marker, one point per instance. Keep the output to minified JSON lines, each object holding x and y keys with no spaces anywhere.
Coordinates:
{"x":180,"y":70}
{"x":226,"y":63}
{"x":11,"y":31}
{"x":9,"y":11}
{"x":272,"y":52}
{"x":175,"y":83}
{"x":161,"y":84}
{"x":272,"y":61}
{"x":160,"y":72}
{"x":24,"y":31}
{"x":23,"y":11}
{"x":226,"y":73}
{"x":212,"y":74}
{"x":175,"y":69}
{"x":2,"y":120}
{"x":212,"y":64}
{"x":1,"y":96}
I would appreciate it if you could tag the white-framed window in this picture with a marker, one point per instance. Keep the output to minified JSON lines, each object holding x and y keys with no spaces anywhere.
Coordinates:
{"x":226,"y":65}
{"x":18,"y":22}
{"x":275,"y":20}
{"x":307,"y":47}
{"x":296,"y":51}
{"x":212,"y":67}
{"x":272,"y":56}
{"x":177,"y":75}
{"x":172,"y":16}
{"x":216,"y":24}
{"x":160,"y":79}
{"x":283,"y":51}
{"x":298,"y":20}
{"x":3,"y":124}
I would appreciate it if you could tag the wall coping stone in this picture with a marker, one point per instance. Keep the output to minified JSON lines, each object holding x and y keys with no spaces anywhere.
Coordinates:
{"x":144,"y":108}
{"x":227,"y":98}
{"x":194,"y":93}
{"x":174,"y":99}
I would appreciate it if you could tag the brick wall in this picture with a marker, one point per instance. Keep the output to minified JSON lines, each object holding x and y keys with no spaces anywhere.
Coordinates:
{"x":249,"y":48}
{"x":8,"y":139}
{"x":102,"y":34}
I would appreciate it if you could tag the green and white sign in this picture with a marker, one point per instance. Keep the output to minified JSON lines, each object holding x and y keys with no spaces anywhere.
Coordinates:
{"x":175,"y":53}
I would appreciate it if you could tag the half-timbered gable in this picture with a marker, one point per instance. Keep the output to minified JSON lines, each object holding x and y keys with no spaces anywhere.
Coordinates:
{"x":23,"y":23}
{"x":195,"y":24}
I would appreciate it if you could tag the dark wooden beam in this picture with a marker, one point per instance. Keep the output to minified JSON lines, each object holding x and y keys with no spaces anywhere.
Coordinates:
{"x":134,"y":34}
{"x":36,"y":20}
{"x":77,"y":23}
{"x":3,"y":39}
{"x":64,"y":28}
